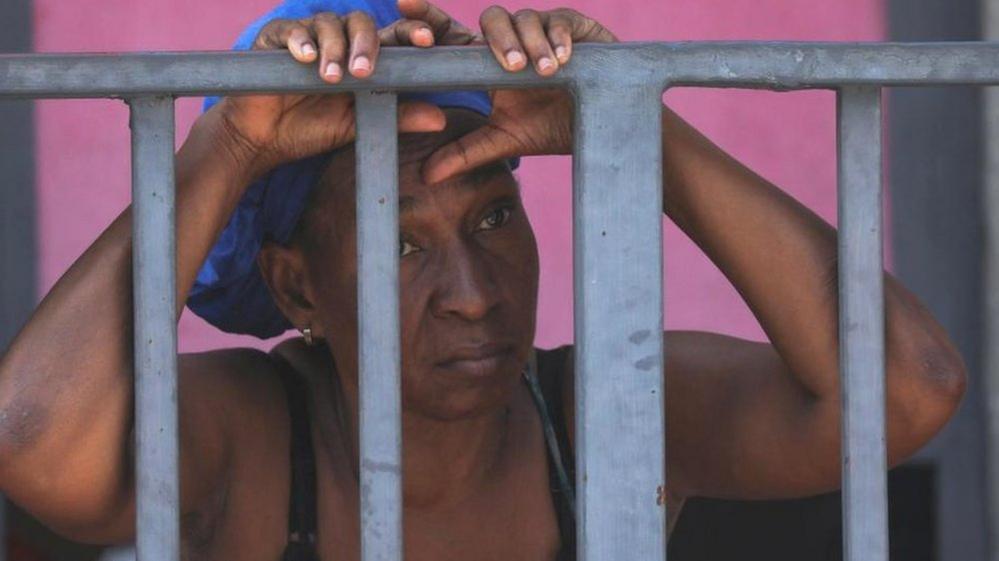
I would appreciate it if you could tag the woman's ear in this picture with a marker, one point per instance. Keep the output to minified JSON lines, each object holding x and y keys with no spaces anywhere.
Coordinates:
{"x":284,"y":271}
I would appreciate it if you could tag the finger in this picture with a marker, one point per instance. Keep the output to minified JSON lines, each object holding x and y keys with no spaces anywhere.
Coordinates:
{"x":407,"y":32}
{"x":274,"y":35}
{"x":560,"y":37}
{"x":482,"y":146}
{"x":289,"y":34}
{"x":440,"y":22}
{"x":332,"y":45}
{"x":583,"y":28}
{"x":502,"y":38}
{"x":420,"y":116}
{"x":477,"y":38}
{"x":364,"y":44}
{"x":413,"y":116}
{"x":535,"y":41}
{"x":301,"y":44}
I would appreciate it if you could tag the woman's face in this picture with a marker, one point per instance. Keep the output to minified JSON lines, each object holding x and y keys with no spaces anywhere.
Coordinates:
{"x":468,"y":275}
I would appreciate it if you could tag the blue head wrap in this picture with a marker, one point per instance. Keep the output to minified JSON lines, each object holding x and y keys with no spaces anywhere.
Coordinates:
{"x":229,"y":291}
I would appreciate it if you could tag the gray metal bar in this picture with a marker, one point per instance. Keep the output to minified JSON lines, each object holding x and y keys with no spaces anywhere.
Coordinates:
{"x":378,"y":325}
{"x":861,"y":326}
{"x":779,"y":66}
{"x":154,"y":270}
{"x":18,"y":243}
{"x":990,"y":344}
{"x":619,"y":323}
{"x":3,"y":528}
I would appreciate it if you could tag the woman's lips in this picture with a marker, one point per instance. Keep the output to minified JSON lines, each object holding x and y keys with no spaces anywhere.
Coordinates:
{"x":477,"y":359}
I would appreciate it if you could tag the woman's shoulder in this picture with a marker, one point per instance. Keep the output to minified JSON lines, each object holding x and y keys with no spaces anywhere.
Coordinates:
{"x":230,"y":386}
{"x":248,"y":368}
{"x":234,"y":420}
{"x":239,"y":367}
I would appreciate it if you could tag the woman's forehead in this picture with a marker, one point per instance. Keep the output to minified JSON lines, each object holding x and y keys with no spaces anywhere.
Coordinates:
{"x":490,"y":179}
{"x":414,"y":150}
{"x":418,"y":146}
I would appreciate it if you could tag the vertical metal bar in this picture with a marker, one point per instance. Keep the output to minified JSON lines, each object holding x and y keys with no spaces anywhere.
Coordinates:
{"x":18,"y":243}
{"x":861,"y":325}
{"x":617,"y":202}
{"x":154,"y":277}
{"x":990,"y":344}
{"x":3,"y":528}
{"x":378,"y":326}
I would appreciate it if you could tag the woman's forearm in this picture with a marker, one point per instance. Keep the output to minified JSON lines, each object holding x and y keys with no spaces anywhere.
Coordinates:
{"x":782,"y":258}
{"x":779,"y":255}
{"x":66,"y":379}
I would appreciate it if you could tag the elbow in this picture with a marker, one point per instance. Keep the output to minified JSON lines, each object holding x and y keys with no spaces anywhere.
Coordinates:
{"x":930,"y":363}
{"x":924,"y":392}
{"x":944,"y":378}
{"x":927,"y":377}
{"x":21,"y":427}
{"x":26,"y":408}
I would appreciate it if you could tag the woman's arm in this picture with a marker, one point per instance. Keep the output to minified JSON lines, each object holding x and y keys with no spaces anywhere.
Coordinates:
{"x":66,"y":381}
{"x":745,"y":419}
{"x":751,"y":420}
{"x":774,"y":422}
{"x":66,"y":402}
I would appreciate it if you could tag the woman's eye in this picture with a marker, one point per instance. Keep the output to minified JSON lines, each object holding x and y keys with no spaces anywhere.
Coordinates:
{"x":405,"y":248}
{"x":495,"y":219}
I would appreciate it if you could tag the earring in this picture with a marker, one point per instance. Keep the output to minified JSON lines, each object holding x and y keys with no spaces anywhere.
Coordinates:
{"x":307,"y":333}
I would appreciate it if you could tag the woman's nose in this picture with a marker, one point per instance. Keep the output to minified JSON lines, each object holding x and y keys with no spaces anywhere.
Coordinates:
{"x":466,"y":286}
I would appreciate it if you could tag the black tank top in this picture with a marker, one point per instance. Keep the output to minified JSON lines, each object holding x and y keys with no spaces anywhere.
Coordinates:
{"x":544,"y":380}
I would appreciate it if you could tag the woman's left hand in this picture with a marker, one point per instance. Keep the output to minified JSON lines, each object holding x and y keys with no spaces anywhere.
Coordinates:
{"x":523,"y":122}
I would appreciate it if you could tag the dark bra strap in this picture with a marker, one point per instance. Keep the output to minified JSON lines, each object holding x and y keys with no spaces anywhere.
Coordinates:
{"x":544,"y":379}
{"x":302,"y":503}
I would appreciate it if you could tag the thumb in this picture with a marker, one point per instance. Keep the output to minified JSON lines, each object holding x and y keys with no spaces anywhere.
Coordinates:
{"x":420,"y":116}
{"x":481,"y":146}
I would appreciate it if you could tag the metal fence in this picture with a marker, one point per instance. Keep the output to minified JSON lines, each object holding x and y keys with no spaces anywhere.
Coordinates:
{"x":617,"y":242}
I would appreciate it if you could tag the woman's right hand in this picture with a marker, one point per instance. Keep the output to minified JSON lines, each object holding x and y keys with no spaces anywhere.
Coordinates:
{"x":264,"y":131}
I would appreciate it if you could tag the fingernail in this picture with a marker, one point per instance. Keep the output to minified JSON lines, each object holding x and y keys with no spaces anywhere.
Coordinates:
{"x":423,"y":35}
{"x":514,"y":58}
{"x":545,"y":63}
{"x":360,"y":64}
{"x":332,"y":70}
{"x":308,"y":49}
{"x":561,"y":52}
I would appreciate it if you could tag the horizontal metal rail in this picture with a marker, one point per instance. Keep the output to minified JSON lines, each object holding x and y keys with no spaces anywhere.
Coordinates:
{"x":618,"y":246}
{"x":778,"y":66}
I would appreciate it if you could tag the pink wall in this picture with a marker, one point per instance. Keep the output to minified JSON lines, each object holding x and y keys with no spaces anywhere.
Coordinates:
{"x":83,"y":146}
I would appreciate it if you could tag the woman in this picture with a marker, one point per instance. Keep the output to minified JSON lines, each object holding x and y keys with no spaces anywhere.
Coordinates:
{"x":746,"y":420}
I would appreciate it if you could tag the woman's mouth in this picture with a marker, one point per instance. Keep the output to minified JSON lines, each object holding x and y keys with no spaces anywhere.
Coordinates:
{"x":477,"y":360}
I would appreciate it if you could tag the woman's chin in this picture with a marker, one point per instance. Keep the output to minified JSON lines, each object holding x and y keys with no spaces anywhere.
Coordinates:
{"x":468,"y":389}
